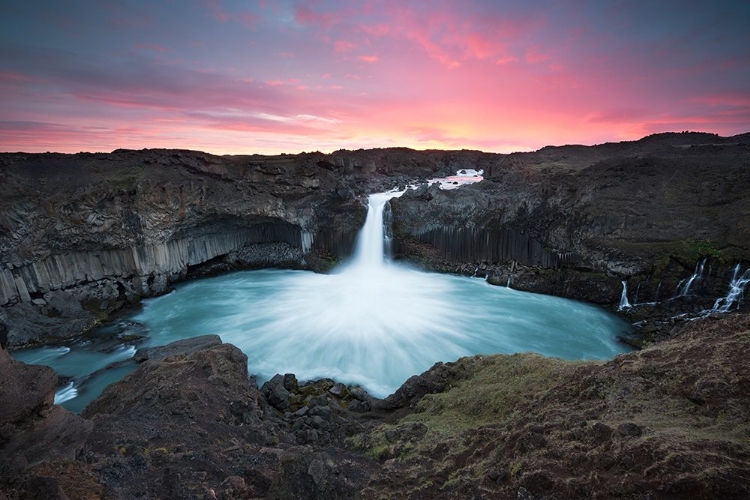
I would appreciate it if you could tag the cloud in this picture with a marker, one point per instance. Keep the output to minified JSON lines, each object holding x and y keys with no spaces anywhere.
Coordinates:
{"x":344,"y":46}
{"x":619,"y":115}
{"x":13,"y":77}
{"x":533,"y":56}
{"x":305,"y":16}
{"x":250,"y":21}
{"x":368,"y":59}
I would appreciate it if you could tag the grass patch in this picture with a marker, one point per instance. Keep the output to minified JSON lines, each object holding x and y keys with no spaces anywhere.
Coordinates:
{"x":495,"y":388}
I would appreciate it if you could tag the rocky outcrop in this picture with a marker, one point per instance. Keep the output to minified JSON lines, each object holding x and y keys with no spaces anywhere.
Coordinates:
{"x":670,"y":421}
{"x":32,"y":429}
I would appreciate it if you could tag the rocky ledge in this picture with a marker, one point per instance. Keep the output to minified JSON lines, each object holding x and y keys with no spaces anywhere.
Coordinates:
{"x":671,"y":421}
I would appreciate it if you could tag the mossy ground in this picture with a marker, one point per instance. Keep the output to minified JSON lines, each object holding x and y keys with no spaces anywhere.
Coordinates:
{"x":672,"y":420}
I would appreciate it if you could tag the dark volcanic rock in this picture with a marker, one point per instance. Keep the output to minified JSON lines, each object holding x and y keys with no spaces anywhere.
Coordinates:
{"x":576,"y":221}
{"x":180,"y":347}
{"x":668,"y":421}
{"x":32,"y":430}
{"x":194,"y":424}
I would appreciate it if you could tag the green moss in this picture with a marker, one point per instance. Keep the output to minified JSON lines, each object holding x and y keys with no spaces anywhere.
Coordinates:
{"x":497,"y":386}
{"x":697,"y":249}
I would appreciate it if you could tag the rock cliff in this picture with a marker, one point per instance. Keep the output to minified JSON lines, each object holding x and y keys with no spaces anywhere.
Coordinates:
{"x":84,"y":235}
{"x":644,"y":211}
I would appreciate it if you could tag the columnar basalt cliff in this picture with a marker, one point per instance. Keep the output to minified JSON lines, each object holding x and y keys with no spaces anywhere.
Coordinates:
{"x":82,"y":235}
{"x":577,"y":221}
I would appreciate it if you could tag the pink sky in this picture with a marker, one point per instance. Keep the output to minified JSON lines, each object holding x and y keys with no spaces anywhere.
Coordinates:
{"x":228,"y":76}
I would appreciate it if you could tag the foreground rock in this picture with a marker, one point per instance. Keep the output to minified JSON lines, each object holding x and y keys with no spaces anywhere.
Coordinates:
{"x":33,"y":431}
{"x":671,"y":421}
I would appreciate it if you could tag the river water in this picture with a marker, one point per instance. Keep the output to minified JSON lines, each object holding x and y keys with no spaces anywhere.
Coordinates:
{"x":371,"y":322}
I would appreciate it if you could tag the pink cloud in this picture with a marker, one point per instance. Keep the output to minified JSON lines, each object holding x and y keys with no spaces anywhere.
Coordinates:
{"x":343,"y":46}
{"x":506,"y":60}
{"x":480,"y":47}
{"x":274,"y":83}
{"x":726,"y":99}
{"x":217,"y":10}
{"x":533,"y":56}
{"x":368,"y":59}
{"x":10,"y":76}
{"x":305,"y":16}
{"x":619,"y":115}
{"x":250,"y":21}
{"x":376,"y":30}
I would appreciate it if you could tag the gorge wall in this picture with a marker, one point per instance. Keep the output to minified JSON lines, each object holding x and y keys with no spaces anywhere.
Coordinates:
{"x":644,"y":212}
{"x":82,"y":235}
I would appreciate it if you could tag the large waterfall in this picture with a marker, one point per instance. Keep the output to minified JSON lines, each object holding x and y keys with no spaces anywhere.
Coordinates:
{"x":370,"y":322}
{"x":371,"y":243}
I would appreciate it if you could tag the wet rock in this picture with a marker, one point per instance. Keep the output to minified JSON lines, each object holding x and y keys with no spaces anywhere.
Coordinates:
{"x":338,"y":390}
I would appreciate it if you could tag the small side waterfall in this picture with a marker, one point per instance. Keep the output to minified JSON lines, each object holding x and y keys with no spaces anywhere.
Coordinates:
{"x":624,"y":303}
{"x":696,"y":276}
{"x":736,"y":294}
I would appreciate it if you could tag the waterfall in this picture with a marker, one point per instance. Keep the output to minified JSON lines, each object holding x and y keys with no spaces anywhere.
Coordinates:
{"x":373,"y":239}
{"x":697,"y":275}
{"x":507,"y":285}
{"x":624,"y":304}
{"x":736,"y":293}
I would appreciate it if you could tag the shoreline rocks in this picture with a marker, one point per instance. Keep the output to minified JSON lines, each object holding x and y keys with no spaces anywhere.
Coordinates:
{"x":193,"y":424}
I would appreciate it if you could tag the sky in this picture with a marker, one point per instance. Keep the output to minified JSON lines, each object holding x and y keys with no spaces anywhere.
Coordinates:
{"x":269,"y":77}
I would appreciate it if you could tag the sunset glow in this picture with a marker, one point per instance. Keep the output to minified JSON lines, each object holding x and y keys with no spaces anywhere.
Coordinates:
{"x":231,"y":76}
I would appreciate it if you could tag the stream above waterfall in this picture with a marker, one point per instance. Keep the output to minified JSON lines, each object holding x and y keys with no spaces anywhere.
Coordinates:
{"x":371,"y":322}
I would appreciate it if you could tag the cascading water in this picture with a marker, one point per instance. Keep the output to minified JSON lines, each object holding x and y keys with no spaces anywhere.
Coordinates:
{"x":624,"y":303}
{"x":696,"y":276}
{"x":373,"y":241}
{"x":371,"y":322}
{"x":736,"y":294}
